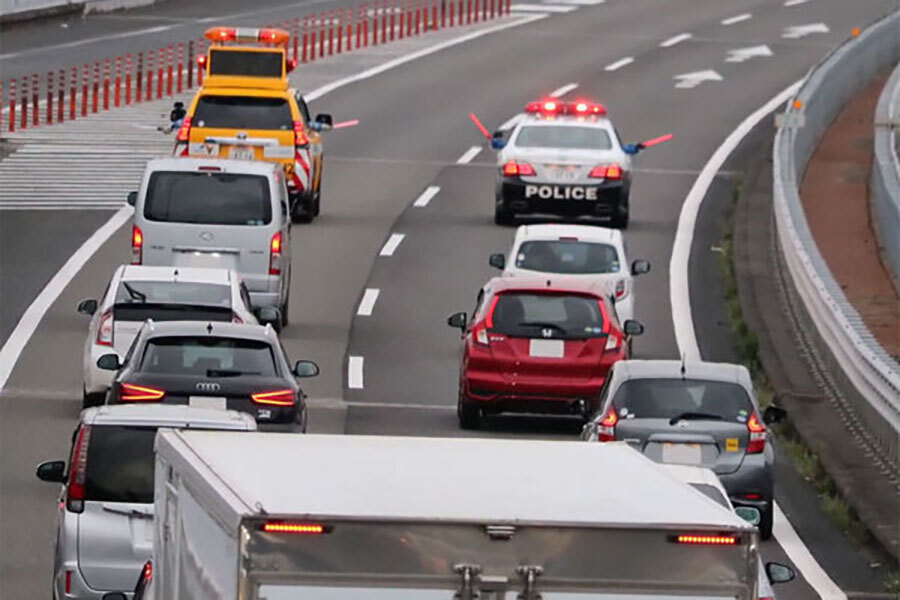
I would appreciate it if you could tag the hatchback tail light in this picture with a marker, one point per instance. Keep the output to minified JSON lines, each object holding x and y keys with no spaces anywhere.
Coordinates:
{"x":300,"y":138}
{"x":757,"y":431}
{"x":276,"y":398}
{"x":105,"y":328}
{"x":275,"y":254}
{"x":140,"y":393}
{"x":137,"y":245}
{"x":620,"y":289}
{"x":613,"y":341}
{"x":481,"y":335}
{"x":512,"y":168}
{"x":78,"y":471}
{"x":606,"y":427}
{"x":184,"y":132}
{"x":611,"y":171}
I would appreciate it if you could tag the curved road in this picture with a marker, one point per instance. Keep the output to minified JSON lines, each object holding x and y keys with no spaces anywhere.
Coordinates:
{"x":413,"y":131}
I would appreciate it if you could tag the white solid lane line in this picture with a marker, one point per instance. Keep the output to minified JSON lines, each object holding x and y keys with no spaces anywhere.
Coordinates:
{"x":544,"y":8}
{"x":468,"y":155}
{"x":685,"y":335}
{"x":563,"y":90}
{"x":675,"y":40}
{"x":737,"y":19}
{"x":355,"y":372}
{"x":367,"y":304}
{"x":391,"y":245}
{"x":619,"y":64}
{"x":426,"y":196}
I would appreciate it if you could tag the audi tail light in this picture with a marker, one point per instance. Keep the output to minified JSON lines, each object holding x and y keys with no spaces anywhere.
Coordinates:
{"x":105,"y":328}
{"x":78,"y":471}
{"x":606,"y":427}
{"x":275,"y":398}
{"x":140,"y":393}
{"x":512,"y":168}
{"x":757,"y":432}
{"x":137,"y":245}
{"x":275,"y":254}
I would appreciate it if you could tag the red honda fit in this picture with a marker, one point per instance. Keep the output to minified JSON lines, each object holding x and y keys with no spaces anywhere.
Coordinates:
{"x":537,"y":345}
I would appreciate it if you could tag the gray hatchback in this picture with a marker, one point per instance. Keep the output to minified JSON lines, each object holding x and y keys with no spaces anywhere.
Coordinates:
{"x":693,"y":413}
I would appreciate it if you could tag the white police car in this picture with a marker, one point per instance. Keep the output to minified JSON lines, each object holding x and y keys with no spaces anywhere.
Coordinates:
{"x":563,"y":159}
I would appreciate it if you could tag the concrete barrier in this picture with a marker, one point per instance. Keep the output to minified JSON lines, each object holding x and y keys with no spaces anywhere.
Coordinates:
{"x":885,"y":185}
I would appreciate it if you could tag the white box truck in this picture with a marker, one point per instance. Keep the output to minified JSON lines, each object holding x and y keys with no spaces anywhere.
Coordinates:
{"x":286,"y":517}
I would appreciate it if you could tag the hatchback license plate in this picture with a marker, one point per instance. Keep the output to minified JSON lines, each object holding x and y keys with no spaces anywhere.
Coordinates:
{"x":217,"y":402}
{"x":682,"y":454}
{"x":241,"y":153}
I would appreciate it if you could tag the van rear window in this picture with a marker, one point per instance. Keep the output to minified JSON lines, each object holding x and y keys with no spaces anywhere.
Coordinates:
{"x":208,"y":198}
{"x":243,"y":112}
{"x":120,"y":464}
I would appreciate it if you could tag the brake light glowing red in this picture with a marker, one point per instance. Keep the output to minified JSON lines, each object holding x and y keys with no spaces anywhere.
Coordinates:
{"x":301,"y":528}
{"x":707,"y":540}
{"x":184,"y":132}
{"x":606,"y":427}
{"x":300,"y":137}
{"x":276,"y":398}
{"x":275,"y":254}
{"x":757,"y":431}
{"x":147,"y":572}
{"x":753,"y":496}
{"x":512,"y":168}
{"x":611,"y":171}
{"x":137,"y":245}
{"x":201,"y":60}
{"x":105,"y":329}
{"x":78,"y":471}
{"x":140,"y":393}
{"x":68,"y":581}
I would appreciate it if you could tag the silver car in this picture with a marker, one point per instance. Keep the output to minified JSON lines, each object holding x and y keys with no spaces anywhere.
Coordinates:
{"x":694,"y":413}
{"x":105,"y":520}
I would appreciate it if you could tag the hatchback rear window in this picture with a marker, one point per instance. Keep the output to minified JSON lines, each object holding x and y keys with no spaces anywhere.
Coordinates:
{"x":208,"y":357}
{"x":208,"y":198}
{"x":562,"y":136}
{"x":566,"y":316}
{"x":243,"y":112}
{"x":251,"y":63}
{"x":120,"y":464}
{"x":668,"y":398}
{"x":568,"y":257}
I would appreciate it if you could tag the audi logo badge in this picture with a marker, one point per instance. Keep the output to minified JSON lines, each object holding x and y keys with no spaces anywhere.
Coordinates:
{"x":547,"y":333}
{"x":208,"y":386}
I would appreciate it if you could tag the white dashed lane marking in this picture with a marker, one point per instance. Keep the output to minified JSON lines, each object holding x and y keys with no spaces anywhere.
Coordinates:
{"x":468,"y":155}
{"x":425,"y":197}
{"x":367,"y":304}
{"x":675,"y":40}
{"x":390,"y":246}
{"x":619,"y":64}
{"x":355,"y":372}
{"x":563,"y":90}
{"x":737,"y":19}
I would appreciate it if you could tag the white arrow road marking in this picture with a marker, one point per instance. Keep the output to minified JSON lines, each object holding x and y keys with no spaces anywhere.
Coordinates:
{"x":795,"y":32}
{"x":691,"y":80}
{"x":737,"y":19}
{"x":675,"y":40}
{"x":739,"y":55}
{"x":619,"y":64}
{"x":795,"y":2}
{"x":563,"y":90}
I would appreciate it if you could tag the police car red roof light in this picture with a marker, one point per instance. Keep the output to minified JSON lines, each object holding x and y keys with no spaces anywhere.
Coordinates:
{"x":555,"y":107}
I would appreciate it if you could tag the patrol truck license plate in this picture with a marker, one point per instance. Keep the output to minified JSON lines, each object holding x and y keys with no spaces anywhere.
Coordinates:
{"x":241,"y":153}
{"x":217,"y":402}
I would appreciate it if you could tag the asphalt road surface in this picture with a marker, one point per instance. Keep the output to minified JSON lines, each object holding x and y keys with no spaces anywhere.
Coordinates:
{"x":413,"y":130}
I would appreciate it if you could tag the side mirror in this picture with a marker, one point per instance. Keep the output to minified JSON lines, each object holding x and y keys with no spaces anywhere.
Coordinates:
{"x":749,"y":514}
{"x":458,"y":320}
{"x":268,"y":315}
{"x":53,"y":471}
{"x":632,"y":327}
{"x":114,"y":596}
{"x":132,"y":198}
{"x":779,"y":573}
{"x":109,"y":362}
{"x":632,"y":148}
{"x":306,"y":368}
{"x":498,"y":261}
{"x":497,"y":141}
{"x":87,"y":307}
{"x":774,"y":414}
{"x":325,"y":121}
{"x":640,"y":266}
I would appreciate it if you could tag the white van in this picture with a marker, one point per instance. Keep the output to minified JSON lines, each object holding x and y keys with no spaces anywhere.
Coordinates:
{"x":231,"y":214}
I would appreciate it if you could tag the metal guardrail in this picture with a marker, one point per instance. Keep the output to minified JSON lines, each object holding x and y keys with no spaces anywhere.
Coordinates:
{"x":885,"y":184}
{"x":873,"y":374}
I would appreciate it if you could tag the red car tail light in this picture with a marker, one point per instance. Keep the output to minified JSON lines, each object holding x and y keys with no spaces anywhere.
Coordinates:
{"x":480,"y":335}
{"x":276,"y":398}
{"x":300,"y":137}
{"x":613,"y":340}
{"x":757,"y":441}
{"x":275,"y":254}
{"x":140,"y":393}
{"x":105,"y":329}
{"x":78,"y":471}
{"x":512,"y":168}
{"x":611,"y":171}
{"x":184,"y":132}
{"x":137,"y":245}
{"x":606,"y":427}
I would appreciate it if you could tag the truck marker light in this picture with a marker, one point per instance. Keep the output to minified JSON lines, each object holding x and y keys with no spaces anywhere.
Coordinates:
{"x":300,"y":528}
{"x":707,"y":540}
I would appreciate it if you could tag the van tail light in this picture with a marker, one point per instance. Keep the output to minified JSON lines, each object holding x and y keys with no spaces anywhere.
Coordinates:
{"x":752,"y":496}
{"x":606,"y":427}
{"x":105,"y":329}
{"x":140,"y":393}
{"x":611,"y":171}
{"x":184,"y":132}
{"x":137,"y":245}
{"x":78,"y":471}
{"x":757,"y":430}
{"x":706,"y":540}
{"x":275,"y":254}
{"x":68,"y":581}
{"x":512,"y":168}
{"x":276,"y":398}
{"x":620,"y":289}
{"x":613,"y":341}
{"x":300,"y":138}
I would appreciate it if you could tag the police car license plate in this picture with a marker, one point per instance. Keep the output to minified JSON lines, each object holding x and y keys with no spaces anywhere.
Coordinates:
{"x":563,"y":172}
{"x":217,"y":402}
{"x":241,"y":153}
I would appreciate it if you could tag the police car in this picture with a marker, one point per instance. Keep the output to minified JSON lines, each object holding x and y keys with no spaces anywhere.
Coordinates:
{"x":563,"y":159}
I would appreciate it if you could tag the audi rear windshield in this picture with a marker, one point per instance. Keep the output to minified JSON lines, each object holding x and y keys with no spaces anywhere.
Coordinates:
{"x":243,"y":112}
{"x":246,"y":63}
{"x":668,"y":398}
{"x":211,"y":198}
{"x":207,"y":356}
{"x":559,"y":316}
{"x":120,"y":464}
{"x":562,"y":136}
{"x":569,"y":257}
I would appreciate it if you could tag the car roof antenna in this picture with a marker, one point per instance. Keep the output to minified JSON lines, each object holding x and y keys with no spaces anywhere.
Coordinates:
{"x":683,"y":356}
{"x":209,"y":328}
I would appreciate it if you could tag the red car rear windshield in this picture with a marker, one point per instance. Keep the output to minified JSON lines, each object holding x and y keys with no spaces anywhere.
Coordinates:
{"x":536,"y":315}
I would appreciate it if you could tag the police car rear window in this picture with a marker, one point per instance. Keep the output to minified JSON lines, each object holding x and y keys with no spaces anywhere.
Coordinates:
{"x":243,"y":112}
{"x":550,"y":256}
{"x":245,"y":63}
{"x":209,"y":198}
{"x":570,"y":138}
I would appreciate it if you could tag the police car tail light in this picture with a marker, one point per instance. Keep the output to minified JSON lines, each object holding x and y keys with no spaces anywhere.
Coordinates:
{"x":105,"y":329}
{"x":275,"y":254}
{"x":612,"y":171}
{"x":512,"y":168}
{"x":184,"y":132}
{"x":757,"y":431}
{"x":276,"y":398}
{"x":137,"y":245}
{"x":300,"y":138}
{"x":78,"y":471}
{"x":606,"y":427}
{"x":140,"y":393}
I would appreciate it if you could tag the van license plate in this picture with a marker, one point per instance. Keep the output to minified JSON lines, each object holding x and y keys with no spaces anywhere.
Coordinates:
{"x":682,"y":454}
{"x":241,"y":153}
{"x":217,"y":402}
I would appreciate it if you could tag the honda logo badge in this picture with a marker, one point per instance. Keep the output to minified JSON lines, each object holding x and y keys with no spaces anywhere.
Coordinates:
{"x":208,"y":386}
{"x":547,"y":333}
